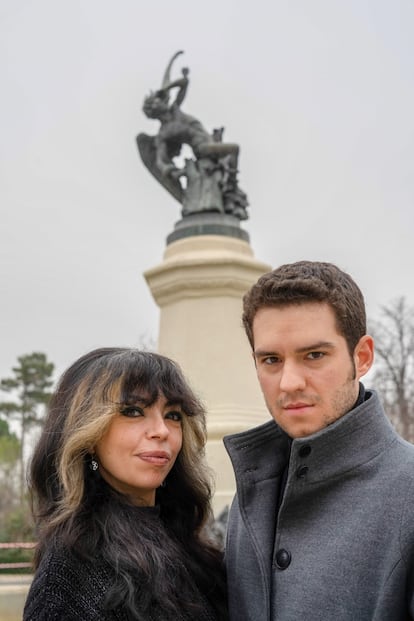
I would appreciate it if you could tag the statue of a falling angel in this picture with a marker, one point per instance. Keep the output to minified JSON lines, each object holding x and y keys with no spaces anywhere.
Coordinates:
{"x":211,"y":174}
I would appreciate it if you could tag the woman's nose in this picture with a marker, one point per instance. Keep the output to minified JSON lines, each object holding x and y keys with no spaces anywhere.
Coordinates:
{"x":157,"y":427}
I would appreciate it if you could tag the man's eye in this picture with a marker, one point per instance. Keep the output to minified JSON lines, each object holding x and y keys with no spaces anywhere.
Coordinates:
{"x":174,"y":415}
{"x":315,"y":355}
{"x":270,"y":360}
{"x":132,"y":411}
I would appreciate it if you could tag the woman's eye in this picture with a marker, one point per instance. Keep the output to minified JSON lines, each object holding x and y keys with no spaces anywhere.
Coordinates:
{"x":174,"y":415}
{"x":132,"y":411}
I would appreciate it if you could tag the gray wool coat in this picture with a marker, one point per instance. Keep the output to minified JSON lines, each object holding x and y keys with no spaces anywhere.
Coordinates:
{"x":343,"y":545}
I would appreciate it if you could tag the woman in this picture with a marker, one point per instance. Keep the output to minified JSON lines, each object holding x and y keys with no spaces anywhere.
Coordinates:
{"x":120,"y":496}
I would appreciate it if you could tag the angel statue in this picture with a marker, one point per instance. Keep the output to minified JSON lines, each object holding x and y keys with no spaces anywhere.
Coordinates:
{"x":206,"y":182}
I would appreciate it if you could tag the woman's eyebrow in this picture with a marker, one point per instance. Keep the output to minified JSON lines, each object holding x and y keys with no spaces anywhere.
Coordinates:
{"x":173,"y":403}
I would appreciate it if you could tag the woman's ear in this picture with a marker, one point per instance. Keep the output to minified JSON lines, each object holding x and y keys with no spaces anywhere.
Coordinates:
{"x":364,"y":355}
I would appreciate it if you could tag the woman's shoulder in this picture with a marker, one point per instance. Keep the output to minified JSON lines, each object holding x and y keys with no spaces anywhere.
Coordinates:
{"x":66,"y":587}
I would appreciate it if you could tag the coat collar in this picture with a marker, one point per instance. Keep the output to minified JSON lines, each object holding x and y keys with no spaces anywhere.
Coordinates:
{"x":355,"y":438}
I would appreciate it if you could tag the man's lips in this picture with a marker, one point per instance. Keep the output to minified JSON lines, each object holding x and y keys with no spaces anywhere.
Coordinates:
{"x":300,"y":405}
{"x":155,"y":457}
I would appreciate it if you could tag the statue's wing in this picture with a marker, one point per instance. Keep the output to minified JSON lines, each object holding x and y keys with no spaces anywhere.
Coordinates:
{"x":146,"y":148}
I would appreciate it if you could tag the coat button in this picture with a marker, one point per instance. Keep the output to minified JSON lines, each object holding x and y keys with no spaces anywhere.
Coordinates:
{"x":305,"y":450}
{"x":283,"y":558}
{"x":301,"y":472}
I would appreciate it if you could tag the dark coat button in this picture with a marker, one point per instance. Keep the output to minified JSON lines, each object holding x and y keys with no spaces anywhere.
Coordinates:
{"x":302,"y":472}
{"x":283,"y":558}
{"x":305,"y":450}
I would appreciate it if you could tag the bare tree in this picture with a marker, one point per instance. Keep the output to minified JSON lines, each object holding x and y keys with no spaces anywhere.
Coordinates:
{"x":394,"y":364}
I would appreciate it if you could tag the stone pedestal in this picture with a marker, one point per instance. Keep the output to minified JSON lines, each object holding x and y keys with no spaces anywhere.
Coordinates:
{"x":198,"y":287}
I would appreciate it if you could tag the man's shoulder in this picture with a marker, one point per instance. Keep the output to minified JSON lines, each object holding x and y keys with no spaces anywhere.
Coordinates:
{"x":263,"y":450}
{"x":265,"y":431}
{"x":403,"y":453}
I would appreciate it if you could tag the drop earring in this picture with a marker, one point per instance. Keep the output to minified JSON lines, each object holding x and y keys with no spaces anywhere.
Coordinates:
{"x":93,"y":464}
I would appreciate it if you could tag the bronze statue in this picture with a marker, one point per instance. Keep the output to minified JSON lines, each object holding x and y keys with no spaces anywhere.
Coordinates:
{"x":211,"y":176}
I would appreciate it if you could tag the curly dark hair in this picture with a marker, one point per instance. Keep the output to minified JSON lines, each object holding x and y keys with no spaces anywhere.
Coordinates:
{"x":310,"y":281}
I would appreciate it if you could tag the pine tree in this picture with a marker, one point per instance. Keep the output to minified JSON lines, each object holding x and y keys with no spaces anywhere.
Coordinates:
{"x":29,"y":388}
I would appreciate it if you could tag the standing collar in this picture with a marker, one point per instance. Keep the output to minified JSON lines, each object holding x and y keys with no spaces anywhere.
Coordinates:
{"x":350,"y":441}
{"x":354,"y":439}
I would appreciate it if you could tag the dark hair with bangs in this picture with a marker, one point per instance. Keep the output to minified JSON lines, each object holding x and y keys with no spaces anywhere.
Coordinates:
{"x":309,"y":281}
{"x":148,"y":375}
{"x":75,"y":506}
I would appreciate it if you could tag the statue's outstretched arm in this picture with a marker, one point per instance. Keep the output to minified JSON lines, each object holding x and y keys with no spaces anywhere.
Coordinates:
{"x":181,"y":84}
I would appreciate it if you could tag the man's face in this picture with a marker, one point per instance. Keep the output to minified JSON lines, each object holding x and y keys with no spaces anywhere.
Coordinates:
{"x":306,"y":373}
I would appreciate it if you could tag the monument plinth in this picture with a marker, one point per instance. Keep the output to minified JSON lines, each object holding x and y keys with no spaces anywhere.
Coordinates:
{"x":207,"y":267}
{"x":207,"y":224}
{"x":198,"y":288}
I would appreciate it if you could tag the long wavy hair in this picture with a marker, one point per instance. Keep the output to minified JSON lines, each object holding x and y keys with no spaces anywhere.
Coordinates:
{"x":74,"y":506}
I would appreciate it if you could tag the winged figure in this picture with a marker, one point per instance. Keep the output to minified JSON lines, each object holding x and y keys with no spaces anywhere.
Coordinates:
{"x":211,"y":175}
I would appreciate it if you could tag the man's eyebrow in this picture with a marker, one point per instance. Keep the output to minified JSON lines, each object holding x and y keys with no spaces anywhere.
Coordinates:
{"x":260,"y":353}
{"x":315,"y":346}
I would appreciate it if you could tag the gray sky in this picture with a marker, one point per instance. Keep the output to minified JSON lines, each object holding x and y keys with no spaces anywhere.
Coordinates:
{"x":318,"y":93}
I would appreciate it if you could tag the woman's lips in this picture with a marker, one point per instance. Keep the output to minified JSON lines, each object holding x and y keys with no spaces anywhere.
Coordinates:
{"x":155,"y":457}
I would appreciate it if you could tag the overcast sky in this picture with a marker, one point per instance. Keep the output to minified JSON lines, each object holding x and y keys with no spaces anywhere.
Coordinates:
{"x":319,"y":94}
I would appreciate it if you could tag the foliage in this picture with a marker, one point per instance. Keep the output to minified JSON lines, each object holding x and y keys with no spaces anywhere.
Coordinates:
{"x":16,"y":526}
{"x":9,"y":457}
{"x":394,"y":367}
{"x":9,"y":447}
{"x":29,"y":389}
{"x":17,"y":555}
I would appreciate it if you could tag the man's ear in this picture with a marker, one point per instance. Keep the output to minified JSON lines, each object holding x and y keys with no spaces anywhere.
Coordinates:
{"x":364,"y":355}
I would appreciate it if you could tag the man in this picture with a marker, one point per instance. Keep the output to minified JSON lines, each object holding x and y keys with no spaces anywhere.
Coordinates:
{"x":322,"y":525}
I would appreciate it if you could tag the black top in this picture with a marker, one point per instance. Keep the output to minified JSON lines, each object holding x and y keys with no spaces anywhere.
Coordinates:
{"x":67,"y":587}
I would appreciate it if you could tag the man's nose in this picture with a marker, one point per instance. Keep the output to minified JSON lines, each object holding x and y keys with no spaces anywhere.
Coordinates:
{"x":292,"y":378}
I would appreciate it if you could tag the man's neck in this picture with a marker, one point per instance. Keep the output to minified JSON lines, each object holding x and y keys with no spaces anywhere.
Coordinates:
{"x":361,"y":396}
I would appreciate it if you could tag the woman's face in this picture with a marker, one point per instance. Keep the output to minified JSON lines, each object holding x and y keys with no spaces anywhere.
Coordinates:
{"x":139,"y":449}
